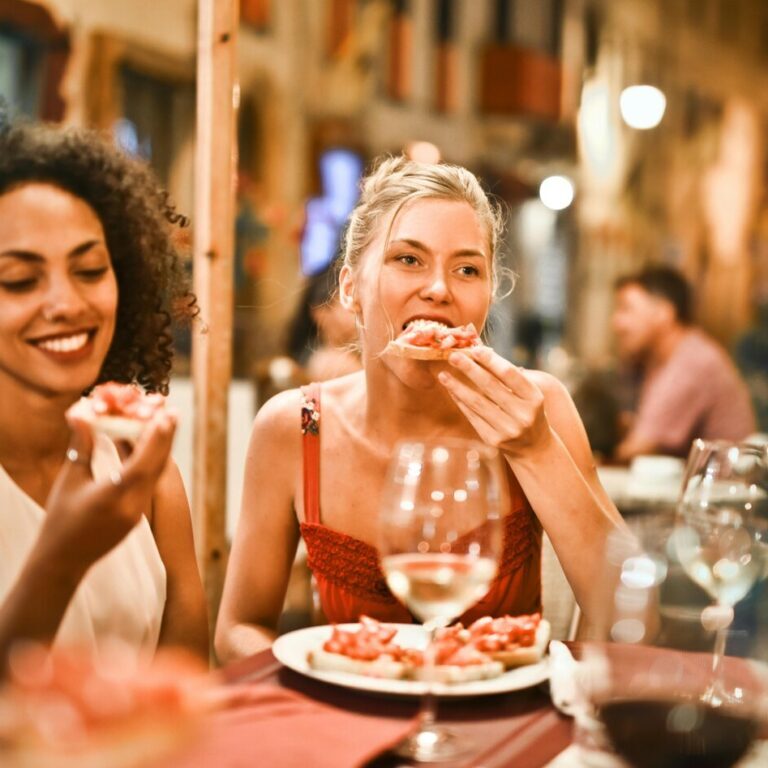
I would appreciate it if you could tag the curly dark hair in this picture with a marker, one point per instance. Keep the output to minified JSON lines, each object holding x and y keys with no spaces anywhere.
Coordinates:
{"x":138,"y":222}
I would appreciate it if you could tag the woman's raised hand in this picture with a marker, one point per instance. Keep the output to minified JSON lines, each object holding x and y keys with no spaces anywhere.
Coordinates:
{"x":503,"y":405}
{"x":87,"y":517}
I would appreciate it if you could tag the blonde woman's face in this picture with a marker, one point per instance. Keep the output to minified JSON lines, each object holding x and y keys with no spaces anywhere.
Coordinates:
{"x":432,"y":263}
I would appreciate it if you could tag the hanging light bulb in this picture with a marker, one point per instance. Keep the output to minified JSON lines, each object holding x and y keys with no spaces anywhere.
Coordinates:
{"x":642,"y":106}
{"x":556,"y":192}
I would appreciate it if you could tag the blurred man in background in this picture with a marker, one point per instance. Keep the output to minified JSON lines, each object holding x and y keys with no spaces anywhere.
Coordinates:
{"x":689,"y":387}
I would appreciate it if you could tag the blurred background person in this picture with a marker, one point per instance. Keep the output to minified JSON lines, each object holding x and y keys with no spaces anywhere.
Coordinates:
{"x":323,"y":334}
{"x":689,"y":386}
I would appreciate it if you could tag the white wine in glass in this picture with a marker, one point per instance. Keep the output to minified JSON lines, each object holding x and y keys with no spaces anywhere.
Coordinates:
{"x":440,"y":541}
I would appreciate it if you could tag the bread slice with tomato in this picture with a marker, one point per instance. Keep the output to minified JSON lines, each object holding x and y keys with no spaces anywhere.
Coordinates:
{"x":120,"y":411}
{"x":431,"y":340}
{"x":368,"y":650}
{"x":515,"y":641}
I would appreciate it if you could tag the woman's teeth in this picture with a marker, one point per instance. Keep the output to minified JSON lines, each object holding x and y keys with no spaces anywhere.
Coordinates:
{"x":64,"y":344}
{"x":423,"y":323}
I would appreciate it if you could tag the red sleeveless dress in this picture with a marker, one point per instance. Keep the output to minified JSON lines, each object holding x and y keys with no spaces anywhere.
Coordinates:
{"x":346,"y":570}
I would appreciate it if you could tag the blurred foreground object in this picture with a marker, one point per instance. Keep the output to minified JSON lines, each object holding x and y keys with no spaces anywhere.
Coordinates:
{"x":69,"y":708}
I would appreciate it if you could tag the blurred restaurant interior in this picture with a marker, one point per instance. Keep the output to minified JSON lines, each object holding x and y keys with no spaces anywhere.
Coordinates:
{"x":540,"y":98}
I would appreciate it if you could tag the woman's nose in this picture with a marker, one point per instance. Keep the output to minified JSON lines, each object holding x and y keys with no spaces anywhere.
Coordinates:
{"x":436,"y":287}
{"x":62,"y":301}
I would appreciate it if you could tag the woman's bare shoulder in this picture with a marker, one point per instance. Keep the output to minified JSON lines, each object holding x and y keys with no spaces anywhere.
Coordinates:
{"x":343,"y":391}
{"x":280,"y":416}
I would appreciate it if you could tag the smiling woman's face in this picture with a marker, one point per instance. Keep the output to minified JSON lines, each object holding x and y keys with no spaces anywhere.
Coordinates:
{"x":58,"y":291}
{"x":432,"y":262}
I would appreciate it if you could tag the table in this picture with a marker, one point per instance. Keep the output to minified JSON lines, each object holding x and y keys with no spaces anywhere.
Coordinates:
{"x":520,"y":728}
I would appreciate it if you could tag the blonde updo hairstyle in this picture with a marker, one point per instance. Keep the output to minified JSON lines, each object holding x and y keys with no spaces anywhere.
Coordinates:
{"x":396,"y":182}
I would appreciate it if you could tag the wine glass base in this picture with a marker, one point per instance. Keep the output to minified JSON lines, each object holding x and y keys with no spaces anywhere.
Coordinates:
{"x":433,"y":744}
{"x":718,"y":696}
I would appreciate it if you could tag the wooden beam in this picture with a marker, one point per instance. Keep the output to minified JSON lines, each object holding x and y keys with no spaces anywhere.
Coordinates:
{"x":215,"y":169}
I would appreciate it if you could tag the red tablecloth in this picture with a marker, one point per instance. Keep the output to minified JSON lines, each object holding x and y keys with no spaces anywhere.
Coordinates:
{"x":309,"y":724}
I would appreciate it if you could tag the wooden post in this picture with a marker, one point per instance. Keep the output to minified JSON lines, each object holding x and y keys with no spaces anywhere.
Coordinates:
{"x":215,"y":169}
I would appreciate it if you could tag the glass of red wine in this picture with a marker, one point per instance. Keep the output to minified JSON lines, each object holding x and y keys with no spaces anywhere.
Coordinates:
{"x":440,"y":541}
{"x":648,"y":665}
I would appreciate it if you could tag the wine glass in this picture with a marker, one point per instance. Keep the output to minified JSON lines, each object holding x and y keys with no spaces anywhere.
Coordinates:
{"x":647,"y":668}
{"x":722,"y":533}
{"x":440,"y":540}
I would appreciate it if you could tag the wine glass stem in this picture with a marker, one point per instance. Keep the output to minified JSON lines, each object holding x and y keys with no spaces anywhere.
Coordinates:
{"x":428,"y":710}
{"x":715,"y":693}
{"x":717,"y":660}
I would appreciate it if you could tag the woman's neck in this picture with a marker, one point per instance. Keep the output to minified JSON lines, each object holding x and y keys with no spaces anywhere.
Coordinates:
{"x":422,"y":407}
{"x":33,"y":427}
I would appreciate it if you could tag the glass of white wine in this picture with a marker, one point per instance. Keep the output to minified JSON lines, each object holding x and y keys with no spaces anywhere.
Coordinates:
{"x":440,"y":542}
{"x":722,"y":533}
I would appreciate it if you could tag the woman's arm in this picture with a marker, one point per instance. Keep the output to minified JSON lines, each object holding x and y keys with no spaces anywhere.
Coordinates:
{"x":267,"y":533}
{"x":85,"y":519}
{"x":185,"y":618}
{"x":531,"y":418}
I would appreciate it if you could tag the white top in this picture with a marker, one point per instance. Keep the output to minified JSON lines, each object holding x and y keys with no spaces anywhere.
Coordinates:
{"x":123,"y":594}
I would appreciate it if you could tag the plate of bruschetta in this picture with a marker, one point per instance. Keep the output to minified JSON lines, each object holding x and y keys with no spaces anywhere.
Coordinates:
{"x":492,"y":655}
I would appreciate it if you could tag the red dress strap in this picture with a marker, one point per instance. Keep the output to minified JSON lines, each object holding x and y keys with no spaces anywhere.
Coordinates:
{"x":310,"y":441}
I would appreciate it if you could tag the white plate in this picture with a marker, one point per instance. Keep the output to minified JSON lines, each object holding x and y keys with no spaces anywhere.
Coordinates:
{"x":291,"y":650}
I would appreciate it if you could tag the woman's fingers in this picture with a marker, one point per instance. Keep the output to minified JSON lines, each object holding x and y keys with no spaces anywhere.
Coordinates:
{"x":150,"y":454}
{"x":77,"y":467}
{"x":484,"y":430}
{"x":476,"y":402}
{"x":510,"y":375}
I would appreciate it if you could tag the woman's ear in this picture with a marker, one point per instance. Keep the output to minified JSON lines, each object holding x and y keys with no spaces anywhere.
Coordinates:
{"x":347,"y":297}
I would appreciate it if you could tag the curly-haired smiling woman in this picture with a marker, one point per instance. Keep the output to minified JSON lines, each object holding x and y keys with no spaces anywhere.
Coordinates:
{"x":89,"y":277}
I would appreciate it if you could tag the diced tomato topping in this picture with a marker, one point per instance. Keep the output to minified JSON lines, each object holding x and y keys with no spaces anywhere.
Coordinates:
{"x":455,"y":645}
{"x":436,"y":336}
{"x":368,"y":643}
{"x":112,"y":399}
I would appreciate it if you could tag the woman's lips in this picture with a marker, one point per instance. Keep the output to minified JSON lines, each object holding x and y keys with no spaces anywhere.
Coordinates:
{"x":73,"y":346}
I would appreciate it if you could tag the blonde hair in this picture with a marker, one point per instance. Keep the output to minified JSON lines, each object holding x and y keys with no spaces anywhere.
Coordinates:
{"x":394,"y":182}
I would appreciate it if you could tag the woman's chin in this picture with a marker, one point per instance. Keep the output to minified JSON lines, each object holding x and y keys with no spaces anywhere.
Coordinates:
{"x":422,"y":375}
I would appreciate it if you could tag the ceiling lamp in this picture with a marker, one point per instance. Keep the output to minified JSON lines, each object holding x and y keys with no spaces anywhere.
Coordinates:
{"x":556,"y":192}
{"x":642,"y":106}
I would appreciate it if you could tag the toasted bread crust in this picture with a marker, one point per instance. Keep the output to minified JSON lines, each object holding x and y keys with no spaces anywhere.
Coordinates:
{"x":119,"y":427}
{"x":531,"y":654}
{"x":383,"y":667}
{"x":455,"y":673}
{"x":399,"y":349}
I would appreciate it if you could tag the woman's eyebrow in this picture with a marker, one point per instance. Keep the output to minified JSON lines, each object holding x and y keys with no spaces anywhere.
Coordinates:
{"x":83,"y":248}
{"x":31,"y":256}
{"x":412,"y":243}
{"x":463,"y":253}
{"x":15,"y":253}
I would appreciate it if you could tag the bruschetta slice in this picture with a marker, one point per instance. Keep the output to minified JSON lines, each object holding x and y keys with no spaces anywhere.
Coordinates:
{"x":120,"y":411}
{"x":431,"y":340}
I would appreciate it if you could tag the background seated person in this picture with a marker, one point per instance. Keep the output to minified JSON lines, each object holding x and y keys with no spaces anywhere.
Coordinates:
{"x":689,"y":387}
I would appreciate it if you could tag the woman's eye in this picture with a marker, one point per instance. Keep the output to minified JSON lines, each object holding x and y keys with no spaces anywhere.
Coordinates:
{"x":18,"y":286}
{"x":469,"y":271}
{"x":407,"y":258}
{"x":92,"y":274}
